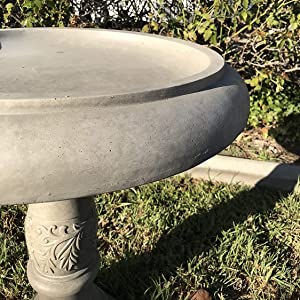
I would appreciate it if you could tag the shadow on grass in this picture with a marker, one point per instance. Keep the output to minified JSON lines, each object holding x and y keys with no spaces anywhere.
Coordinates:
{"x":129,"y":278}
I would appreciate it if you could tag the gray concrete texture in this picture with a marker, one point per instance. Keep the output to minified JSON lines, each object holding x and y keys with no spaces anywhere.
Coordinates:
{"x":84,"y":112}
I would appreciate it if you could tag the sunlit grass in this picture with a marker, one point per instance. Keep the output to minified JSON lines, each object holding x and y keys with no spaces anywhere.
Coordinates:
{"x":168,"y":239}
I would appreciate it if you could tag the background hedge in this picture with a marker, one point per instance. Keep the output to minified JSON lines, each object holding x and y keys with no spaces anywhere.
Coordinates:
{"x":259,"y":38}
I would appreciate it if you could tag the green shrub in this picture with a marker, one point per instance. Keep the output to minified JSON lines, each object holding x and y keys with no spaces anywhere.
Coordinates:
{"x":268,"y":107}
{"x":259,"y":38}
{"x":34,"y":13}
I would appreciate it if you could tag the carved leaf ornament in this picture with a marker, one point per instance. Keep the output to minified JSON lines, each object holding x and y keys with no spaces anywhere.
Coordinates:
{"x":57,"y":247}
{"x":60,"y":246}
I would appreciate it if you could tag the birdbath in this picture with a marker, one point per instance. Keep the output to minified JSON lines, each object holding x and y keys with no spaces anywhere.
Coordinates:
{"x":83,"y":112}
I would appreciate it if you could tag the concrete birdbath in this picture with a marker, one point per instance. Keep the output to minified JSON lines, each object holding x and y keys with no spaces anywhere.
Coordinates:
{"x":83,"y":112}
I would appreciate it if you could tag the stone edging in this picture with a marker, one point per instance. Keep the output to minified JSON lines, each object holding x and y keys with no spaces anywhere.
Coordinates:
{"x":250,"y":172}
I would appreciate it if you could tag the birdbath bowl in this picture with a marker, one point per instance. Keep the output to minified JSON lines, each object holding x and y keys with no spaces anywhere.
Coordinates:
{"x":83,"y":112}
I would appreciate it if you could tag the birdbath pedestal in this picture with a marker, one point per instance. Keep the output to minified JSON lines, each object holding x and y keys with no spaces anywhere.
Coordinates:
{"x":83,"y":112}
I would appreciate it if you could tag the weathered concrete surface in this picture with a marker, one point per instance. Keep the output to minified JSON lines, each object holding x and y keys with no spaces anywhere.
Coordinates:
{"x":44,"y":63}
{"x":72,"y":132}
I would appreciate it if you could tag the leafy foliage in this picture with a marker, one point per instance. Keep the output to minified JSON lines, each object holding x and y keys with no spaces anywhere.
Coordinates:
{"x":33,"y":13}
{"x":259,"y":38}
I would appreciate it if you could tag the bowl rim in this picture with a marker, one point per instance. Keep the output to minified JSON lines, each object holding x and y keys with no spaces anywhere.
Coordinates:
{"x":194,"y":83}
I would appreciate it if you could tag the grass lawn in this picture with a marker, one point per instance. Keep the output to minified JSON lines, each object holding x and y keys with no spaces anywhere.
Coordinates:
{"x":168,"y":239}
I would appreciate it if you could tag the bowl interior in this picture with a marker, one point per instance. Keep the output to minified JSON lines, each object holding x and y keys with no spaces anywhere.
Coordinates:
{"x":54,"y":63}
